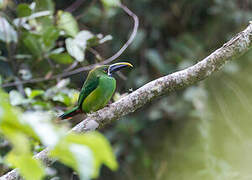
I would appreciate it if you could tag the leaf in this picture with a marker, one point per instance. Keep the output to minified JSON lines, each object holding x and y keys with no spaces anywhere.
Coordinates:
{"x":58,"y":50}
{"x":50,"y":35}
{"x":74,"y":94}
{"x":32,"y":93}
{"x":77,"y":156}
{"x":7,"y":32}
{"x":62,"y":58}
{"x":31,"y":41}
{"x":76,"y":47}
{"x":105,"y":39}
{"x":42,"y":125}
{"x":98,"y":39}
{"x":23,"y":10}
{"x":17,"y":138}
{"x":28,"y":167}
{"x":84,"y":158}
{"x":99,"y":146}
{"x":67,"y":23}
{"x":18,"y":132}
{"x":41,"y":105}
{"x":10,"y":124}
{"x":61,"y":97}
{"x":82,"y":37}
{"x":111,"y":3}
{"x":16,"y":98}
{"x":45,"y":5}
{"x":29,"y":22}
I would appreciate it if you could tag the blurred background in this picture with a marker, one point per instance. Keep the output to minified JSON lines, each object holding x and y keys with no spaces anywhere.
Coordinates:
{"x":200,"y":132}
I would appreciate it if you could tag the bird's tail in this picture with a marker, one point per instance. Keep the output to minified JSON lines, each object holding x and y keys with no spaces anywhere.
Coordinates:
{"x":69,"y":114}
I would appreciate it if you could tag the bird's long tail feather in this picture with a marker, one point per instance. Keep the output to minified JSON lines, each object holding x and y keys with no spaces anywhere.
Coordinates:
{"x":69,"y":114}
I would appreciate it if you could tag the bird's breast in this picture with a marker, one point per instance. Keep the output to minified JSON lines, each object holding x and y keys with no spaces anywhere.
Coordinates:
{"x":101,"y":95}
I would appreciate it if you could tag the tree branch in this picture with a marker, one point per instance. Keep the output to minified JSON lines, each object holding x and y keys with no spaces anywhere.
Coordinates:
{"x":191,"y":75}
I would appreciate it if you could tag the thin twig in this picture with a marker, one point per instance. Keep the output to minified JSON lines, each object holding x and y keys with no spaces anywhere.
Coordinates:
{"x":97,"y":55}
{"x":89,"y":67}
{"x":72,"y":66}
{"x":74,"y":6}
{"x":86,"y":10}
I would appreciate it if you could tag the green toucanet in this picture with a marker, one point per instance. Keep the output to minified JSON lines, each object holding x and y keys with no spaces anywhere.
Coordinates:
{"x":97,"y":90}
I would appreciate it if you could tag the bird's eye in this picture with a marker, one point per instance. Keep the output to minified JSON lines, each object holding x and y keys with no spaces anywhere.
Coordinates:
{"x":105,"y":70}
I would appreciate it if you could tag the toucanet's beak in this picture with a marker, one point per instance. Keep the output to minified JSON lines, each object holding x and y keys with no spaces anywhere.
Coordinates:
{"x":117,"y":66}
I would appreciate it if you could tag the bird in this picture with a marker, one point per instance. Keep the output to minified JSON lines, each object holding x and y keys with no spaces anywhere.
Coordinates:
{"x":97,"y":89}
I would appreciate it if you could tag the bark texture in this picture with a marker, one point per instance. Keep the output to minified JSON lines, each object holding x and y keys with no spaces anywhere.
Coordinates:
{"x":238,"y":45}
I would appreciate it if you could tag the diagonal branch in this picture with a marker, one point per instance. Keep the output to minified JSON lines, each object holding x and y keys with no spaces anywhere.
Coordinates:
{"x":238,"y":45}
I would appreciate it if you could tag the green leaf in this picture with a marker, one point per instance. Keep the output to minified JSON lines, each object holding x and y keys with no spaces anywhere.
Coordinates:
{"x":62,"y":58}
{"x":37,"y":21}
{"x":28,"y":167}
{"x":101,"y":149}
{"x":84,"y":158}
{"x":99,"y":146}
{"x":42,"y":125}
{"x":11,"y":124}
{"x":42,"y":105}
{"x":23,"y":10}
{"x":76,"y":47}
{"x":67,"y":23}
{"x":16,"y":98}
{"x":17,"y":138}
{"x":45,"y":5}
{"x":32,"y":43}
{"x":32,"y":93}
{"x":7,"y":32}
{"x":77,"y":156}
{"x":50,"y":35}
{"x":61,"y":97}
{"x":18,"y":132}
{"x":111,"y":3}
{"x":82,"y":38}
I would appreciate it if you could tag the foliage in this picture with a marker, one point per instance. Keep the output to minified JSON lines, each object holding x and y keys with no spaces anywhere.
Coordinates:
{"x":33,"y":38}
{"x":198,"y":133}
{"x":69,"y":148}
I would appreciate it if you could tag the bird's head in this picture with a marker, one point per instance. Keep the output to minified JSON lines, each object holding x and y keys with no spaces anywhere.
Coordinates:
{"x":111,"y":69}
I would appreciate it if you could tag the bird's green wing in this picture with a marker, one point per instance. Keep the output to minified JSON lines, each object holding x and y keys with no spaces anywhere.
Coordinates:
{"x":87,"y":88}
